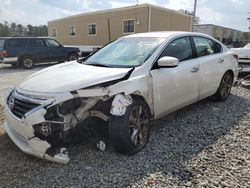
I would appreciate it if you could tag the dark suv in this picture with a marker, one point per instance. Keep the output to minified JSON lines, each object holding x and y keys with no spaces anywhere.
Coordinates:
{"x":25,"y":52}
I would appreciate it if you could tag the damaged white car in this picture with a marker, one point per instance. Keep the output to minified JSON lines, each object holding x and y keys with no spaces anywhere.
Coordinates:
{"x":125,"y":84}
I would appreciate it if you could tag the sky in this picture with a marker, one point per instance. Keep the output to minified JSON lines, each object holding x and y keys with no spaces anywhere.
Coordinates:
{"x":227,"y":13}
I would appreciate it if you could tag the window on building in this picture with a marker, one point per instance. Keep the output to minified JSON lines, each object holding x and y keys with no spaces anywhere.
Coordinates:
{"x":72,"y":31}
{"x":128,"y":26}
{"x":92,"y":29}
{"x":53,"y":32}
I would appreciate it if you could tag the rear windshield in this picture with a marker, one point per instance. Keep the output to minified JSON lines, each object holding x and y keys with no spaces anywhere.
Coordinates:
{"x":16,"y":42}
{"x":1,"y":44}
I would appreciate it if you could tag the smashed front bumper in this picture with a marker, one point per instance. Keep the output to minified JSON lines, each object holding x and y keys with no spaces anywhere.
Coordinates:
{"x":21,"y":132}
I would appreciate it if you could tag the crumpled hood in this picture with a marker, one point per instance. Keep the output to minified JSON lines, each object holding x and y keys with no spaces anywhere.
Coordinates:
{"x":70,"y":76}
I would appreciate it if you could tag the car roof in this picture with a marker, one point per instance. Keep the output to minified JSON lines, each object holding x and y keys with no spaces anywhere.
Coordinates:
{"x":166,"y":34}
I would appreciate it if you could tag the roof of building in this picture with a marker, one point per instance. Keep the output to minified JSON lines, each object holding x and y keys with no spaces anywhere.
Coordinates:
{"x":216,"y":26}
{"x":119,"y":9}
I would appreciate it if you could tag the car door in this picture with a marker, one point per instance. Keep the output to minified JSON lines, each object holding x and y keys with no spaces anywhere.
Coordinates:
{"x":211,"y":59}
{"x":37,"y":48}
{"x":176,"y":87}
{"x":56,"y":52}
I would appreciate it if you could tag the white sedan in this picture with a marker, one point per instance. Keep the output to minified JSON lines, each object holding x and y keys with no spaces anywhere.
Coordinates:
{"x":243,"y":53}
{"x":122,"y":86}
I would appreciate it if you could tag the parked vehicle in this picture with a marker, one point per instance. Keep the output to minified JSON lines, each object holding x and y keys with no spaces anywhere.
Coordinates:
{"x":243,"y":53}
{"x":25,"y":52}
{"x":127,"y":83}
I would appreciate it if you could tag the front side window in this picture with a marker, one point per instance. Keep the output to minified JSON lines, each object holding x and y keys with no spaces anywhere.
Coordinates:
{"x":53,"y":32}
{"x":92,"y":29}
{"x":125,"y":52}
{"x":129,"y":26}
{"x":52,"y":43}
{"x":72,"y":31}
{"x":204,"y":46}
{"x":179,"y":48}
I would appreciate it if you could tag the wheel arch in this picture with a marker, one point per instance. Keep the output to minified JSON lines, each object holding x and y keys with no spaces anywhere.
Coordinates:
{"x":71,"y":52}
{"x":141,"y":98}
{"x":20,"y":58}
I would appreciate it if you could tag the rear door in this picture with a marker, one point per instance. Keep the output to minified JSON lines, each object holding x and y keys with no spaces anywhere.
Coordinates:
{"x":56,"y":51}
{"x":176,"y":87}
{"x":211,"y":60}
{"x":37,"y":47}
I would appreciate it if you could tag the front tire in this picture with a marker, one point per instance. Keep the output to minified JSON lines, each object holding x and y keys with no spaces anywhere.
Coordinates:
{"x":224,"y":89}
{"x":28,"y":62}
{"x":130,"y":132}
{"x":72,"y":57}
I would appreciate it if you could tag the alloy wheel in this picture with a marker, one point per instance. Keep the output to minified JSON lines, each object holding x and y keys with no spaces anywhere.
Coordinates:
{"x":138,"y":125}
{"x":28,"y":63}
{"x":226,"y":85}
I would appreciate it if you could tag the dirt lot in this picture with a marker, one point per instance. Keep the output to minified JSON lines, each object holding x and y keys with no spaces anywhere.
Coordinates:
{"x":203,"y":145}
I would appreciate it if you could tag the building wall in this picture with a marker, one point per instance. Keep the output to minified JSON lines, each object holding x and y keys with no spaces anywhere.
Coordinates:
{"x":206,"y":29}
{"x":169,"y":20}
{"x":109,"y":24}
{"x":223,"y":34}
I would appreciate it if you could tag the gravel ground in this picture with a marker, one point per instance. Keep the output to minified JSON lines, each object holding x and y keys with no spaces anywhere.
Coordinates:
{"x":203,"y":145}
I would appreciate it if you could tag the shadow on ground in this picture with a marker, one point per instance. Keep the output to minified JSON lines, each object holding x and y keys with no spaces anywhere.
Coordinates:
{"x":175,"y":139}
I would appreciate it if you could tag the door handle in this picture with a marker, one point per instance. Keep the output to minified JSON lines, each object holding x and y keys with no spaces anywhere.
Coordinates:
{"x":195,"y":69}
{"x":220,"y":60}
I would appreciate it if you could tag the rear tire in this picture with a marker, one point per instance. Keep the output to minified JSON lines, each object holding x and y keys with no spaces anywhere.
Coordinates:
{"x":28,"y":62}
{"x":224,"y":89}
{"x":130,"y":132}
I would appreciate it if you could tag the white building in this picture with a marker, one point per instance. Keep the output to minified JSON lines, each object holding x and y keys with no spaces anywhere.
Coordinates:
{"x":223,"y":34}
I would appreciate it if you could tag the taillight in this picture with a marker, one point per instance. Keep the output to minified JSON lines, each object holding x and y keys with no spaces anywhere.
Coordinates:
{"x":236,"y":57}
{"x":4,"y":53}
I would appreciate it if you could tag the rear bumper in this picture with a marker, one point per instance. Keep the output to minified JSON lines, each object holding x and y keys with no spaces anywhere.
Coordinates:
{"x":8,"y":60}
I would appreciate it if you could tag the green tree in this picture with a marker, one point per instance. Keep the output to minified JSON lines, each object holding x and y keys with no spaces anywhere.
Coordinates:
{"x":20,"y":29}
{"x":4,"y":30}
{"x":13,"y":28}
{"x":29,"y":30}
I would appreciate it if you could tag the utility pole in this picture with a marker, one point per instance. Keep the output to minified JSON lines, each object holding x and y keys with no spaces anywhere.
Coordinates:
{"x":194,"y":13}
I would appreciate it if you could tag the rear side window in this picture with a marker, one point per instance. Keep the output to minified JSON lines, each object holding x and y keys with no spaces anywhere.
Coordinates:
{"x":1,"y":44}
{"x":179,"y":48}
{"x":37,"y":43}
{"x":16,"y":43}
{"x":204,"y":46}
{"x":217,"y":47}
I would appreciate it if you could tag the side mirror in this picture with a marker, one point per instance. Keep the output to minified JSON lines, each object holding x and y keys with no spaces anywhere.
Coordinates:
{"x":168,"y":61}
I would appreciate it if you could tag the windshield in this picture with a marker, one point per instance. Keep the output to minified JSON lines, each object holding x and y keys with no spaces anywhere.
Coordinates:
{"x":1,"y":44}
{"x":247,"y":46}
{"x":125,"y":52}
